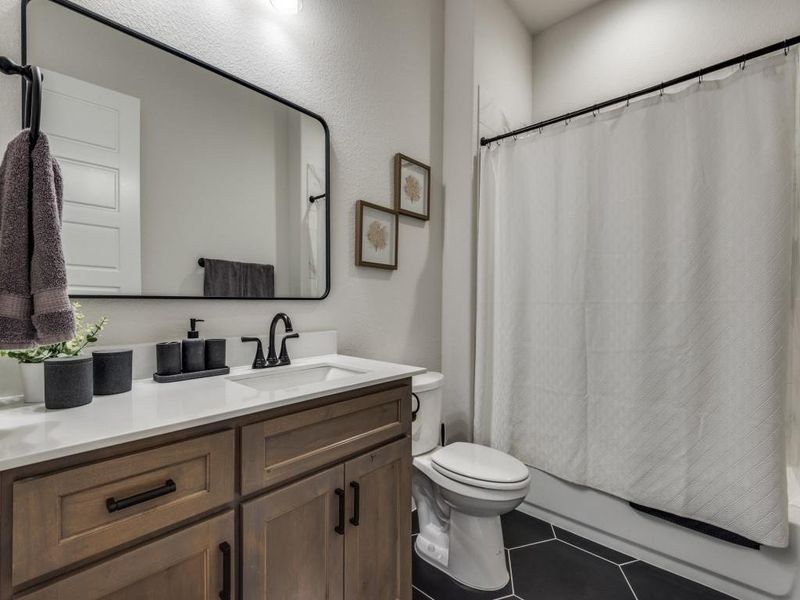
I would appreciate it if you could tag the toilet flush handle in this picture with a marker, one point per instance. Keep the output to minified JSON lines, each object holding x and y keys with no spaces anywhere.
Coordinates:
{"x":414,"y":411}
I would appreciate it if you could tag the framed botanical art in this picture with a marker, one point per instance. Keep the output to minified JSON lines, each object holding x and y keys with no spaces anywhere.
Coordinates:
{"x":412,"y":187}
{"x":376,"y":236}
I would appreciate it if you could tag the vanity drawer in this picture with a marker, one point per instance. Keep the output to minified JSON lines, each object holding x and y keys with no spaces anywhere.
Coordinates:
{"x":283,"y":448}
{"x":65,"y":517}
{"x":185,"y":565}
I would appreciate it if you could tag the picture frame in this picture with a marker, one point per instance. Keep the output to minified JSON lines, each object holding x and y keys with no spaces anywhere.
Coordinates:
{"x":412,"y":187}
{"x":377,"y":229}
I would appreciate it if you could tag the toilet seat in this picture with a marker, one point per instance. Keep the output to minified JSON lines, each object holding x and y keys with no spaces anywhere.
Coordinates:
{"x":480,"y":466}
{"x":487,"y":485}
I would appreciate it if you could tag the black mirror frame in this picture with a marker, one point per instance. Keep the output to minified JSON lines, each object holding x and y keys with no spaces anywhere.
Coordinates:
{"x":187,"y":57}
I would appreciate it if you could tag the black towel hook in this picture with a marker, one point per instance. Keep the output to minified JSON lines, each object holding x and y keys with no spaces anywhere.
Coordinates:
{"x":34,"y":103}
{"x":33,"y":93}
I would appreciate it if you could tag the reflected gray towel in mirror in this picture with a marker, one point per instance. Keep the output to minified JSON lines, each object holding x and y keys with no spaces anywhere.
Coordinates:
{"x":231,"y":279}
{"x":34,"y":305}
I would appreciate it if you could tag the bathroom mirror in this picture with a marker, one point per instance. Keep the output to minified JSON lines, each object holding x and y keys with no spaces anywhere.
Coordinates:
{"x":180,"y":180}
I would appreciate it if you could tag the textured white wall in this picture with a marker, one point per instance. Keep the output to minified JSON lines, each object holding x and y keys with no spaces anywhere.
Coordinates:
{"x":374,"y":71}
{"x":486,"y":46}
{"x":458,"y":292}
{"x":503,"y":67}
{"x":618,"y":46}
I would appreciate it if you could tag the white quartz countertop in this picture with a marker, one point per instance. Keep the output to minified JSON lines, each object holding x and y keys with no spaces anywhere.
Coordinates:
{"x":29,"y":433}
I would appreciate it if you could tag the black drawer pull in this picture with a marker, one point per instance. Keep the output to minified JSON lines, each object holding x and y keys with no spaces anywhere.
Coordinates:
{"x":115,"y":505}
{"x":225,"y":594}
{"x":340,"y":527}
{"x":356,"y":502}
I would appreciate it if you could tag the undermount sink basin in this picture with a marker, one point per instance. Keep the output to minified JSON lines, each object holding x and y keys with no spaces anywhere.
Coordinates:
{"x":276,"y":379}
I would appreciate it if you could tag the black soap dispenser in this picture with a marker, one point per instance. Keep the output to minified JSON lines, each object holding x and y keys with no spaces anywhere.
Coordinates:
{"x":193,"y":349}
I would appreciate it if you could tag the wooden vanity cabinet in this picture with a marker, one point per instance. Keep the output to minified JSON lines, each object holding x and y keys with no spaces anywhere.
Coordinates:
{"x":304,"y":502}
{"x":342,"y":533}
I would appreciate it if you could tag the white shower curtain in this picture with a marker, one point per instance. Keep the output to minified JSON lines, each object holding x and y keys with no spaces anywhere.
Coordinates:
{"x":633,"y":299}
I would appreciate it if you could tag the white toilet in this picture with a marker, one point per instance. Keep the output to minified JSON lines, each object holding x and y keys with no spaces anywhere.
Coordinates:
{"x":460,"y":491}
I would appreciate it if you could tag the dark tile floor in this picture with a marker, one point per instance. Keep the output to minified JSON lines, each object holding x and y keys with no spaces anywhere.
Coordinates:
{"x":550,"y":563}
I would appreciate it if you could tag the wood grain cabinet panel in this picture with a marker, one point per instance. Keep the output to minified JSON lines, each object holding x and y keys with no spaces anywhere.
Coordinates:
{"x":68,"y":516}
{"x":285,"y":447}
{"x":186,"y":565}
{"x":377,"y":550}
{"x":290,"y":549}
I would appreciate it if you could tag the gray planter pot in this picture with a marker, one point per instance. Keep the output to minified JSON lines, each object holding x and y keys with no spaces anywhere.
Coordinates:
{"x":68,"y":382}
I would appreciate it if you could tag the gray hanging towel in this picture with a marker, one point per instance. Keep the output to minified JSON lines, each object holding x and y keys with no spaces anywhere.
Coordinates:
{"x":231,"y":279}
{"x":34,"y":304}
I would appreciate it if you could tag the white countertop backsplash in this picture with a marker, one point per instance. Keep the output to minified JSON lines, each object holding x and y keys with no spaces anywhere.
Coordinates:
{"x":310,"y":343}
{"x":238,"y":353}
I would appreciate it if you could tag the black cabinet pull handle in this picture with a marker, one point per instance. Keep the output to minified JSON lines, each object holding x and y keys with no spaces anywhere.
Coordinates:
{"x":225,"y":548}
{"x":356,"y":502}
{"x":115,"y":505}
{"x":340,"y":527}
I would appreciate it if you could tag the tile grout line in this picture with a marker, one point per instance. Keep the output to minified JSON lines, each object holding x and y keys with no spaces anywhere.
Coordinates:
{"x":625,"y":577}
{"x":533,"y":544}
{"x":413,"y":587}
{"x":510,"y":572}
{"x":630,"y":562}
{"x":633,"y":560}
{"x":592,"y":553}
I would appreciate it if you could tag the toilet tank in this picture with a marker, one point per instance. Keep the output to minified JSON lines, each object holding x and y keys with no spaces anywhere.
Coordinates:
{"x":427,"y":424}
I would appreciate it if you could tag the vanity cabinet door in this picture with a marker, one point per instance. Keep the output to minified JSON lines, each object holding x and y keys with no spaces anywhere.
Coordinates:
{"x":378,"y":536}
{"x":195,"y":563}
{"x":291,"y":549}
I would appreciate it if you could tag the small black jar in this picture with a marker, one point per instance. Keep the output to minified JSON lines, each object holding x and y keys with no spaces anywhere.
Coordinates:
{"x":215,"y":353}
{"x":113,"y":371}
{"x":168,"y":358}
{"x":68,"y":382}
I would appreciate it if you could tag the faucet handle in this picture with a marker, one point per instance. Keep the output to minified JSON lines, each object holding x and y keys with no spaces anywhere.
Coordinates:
{"x":259,"y":362}
{"x":283,"y":359}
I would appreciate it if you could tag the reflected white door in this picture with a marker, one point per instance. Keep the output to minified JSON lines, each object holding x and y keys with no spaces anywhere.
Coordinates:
{"x":94,"y":134}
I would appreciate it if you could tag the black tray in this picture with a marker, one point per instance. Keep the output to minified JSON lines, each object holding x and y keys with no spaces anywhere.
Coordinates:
{"x":194,"y":375}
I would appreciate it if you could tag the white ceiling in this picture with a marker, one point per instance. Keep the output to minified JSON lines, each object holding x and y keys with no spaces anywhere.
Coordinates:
{"x":541,"y":14}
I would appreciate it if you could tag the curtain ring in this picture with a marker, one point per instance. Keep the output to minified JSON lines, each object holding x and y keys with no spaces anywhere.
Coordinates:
{"x":700,"y":77}
{"x":540,"y":130}
{"x":786,"y":47}
{"x":594,"y":111}
{"x":743,"y":65}
{"x":628,"y":101}
{"x":661,"y":90}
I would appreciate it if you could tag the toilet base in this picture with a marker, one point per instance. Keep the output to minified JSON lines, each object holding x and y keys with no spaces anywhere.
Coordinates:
{"x":474,"y":555}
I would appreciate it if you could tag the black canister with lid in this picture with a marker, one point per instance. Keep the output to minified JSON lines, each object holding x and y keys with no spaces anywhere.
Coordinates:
{"x":68,"y":381}
{"x":168,"y":358}
{"x":113,"y":371}
{"x":215,"y":353}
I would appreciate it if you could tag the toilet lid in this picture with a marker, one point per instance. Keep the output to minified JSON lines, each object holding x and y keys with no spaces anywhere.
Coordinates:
{"x":479,"y":463}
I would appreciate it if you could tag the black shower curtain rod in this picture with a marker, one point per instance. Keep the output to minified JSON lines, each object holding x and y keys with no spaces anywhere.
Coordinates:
{"x":739,"y":60}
